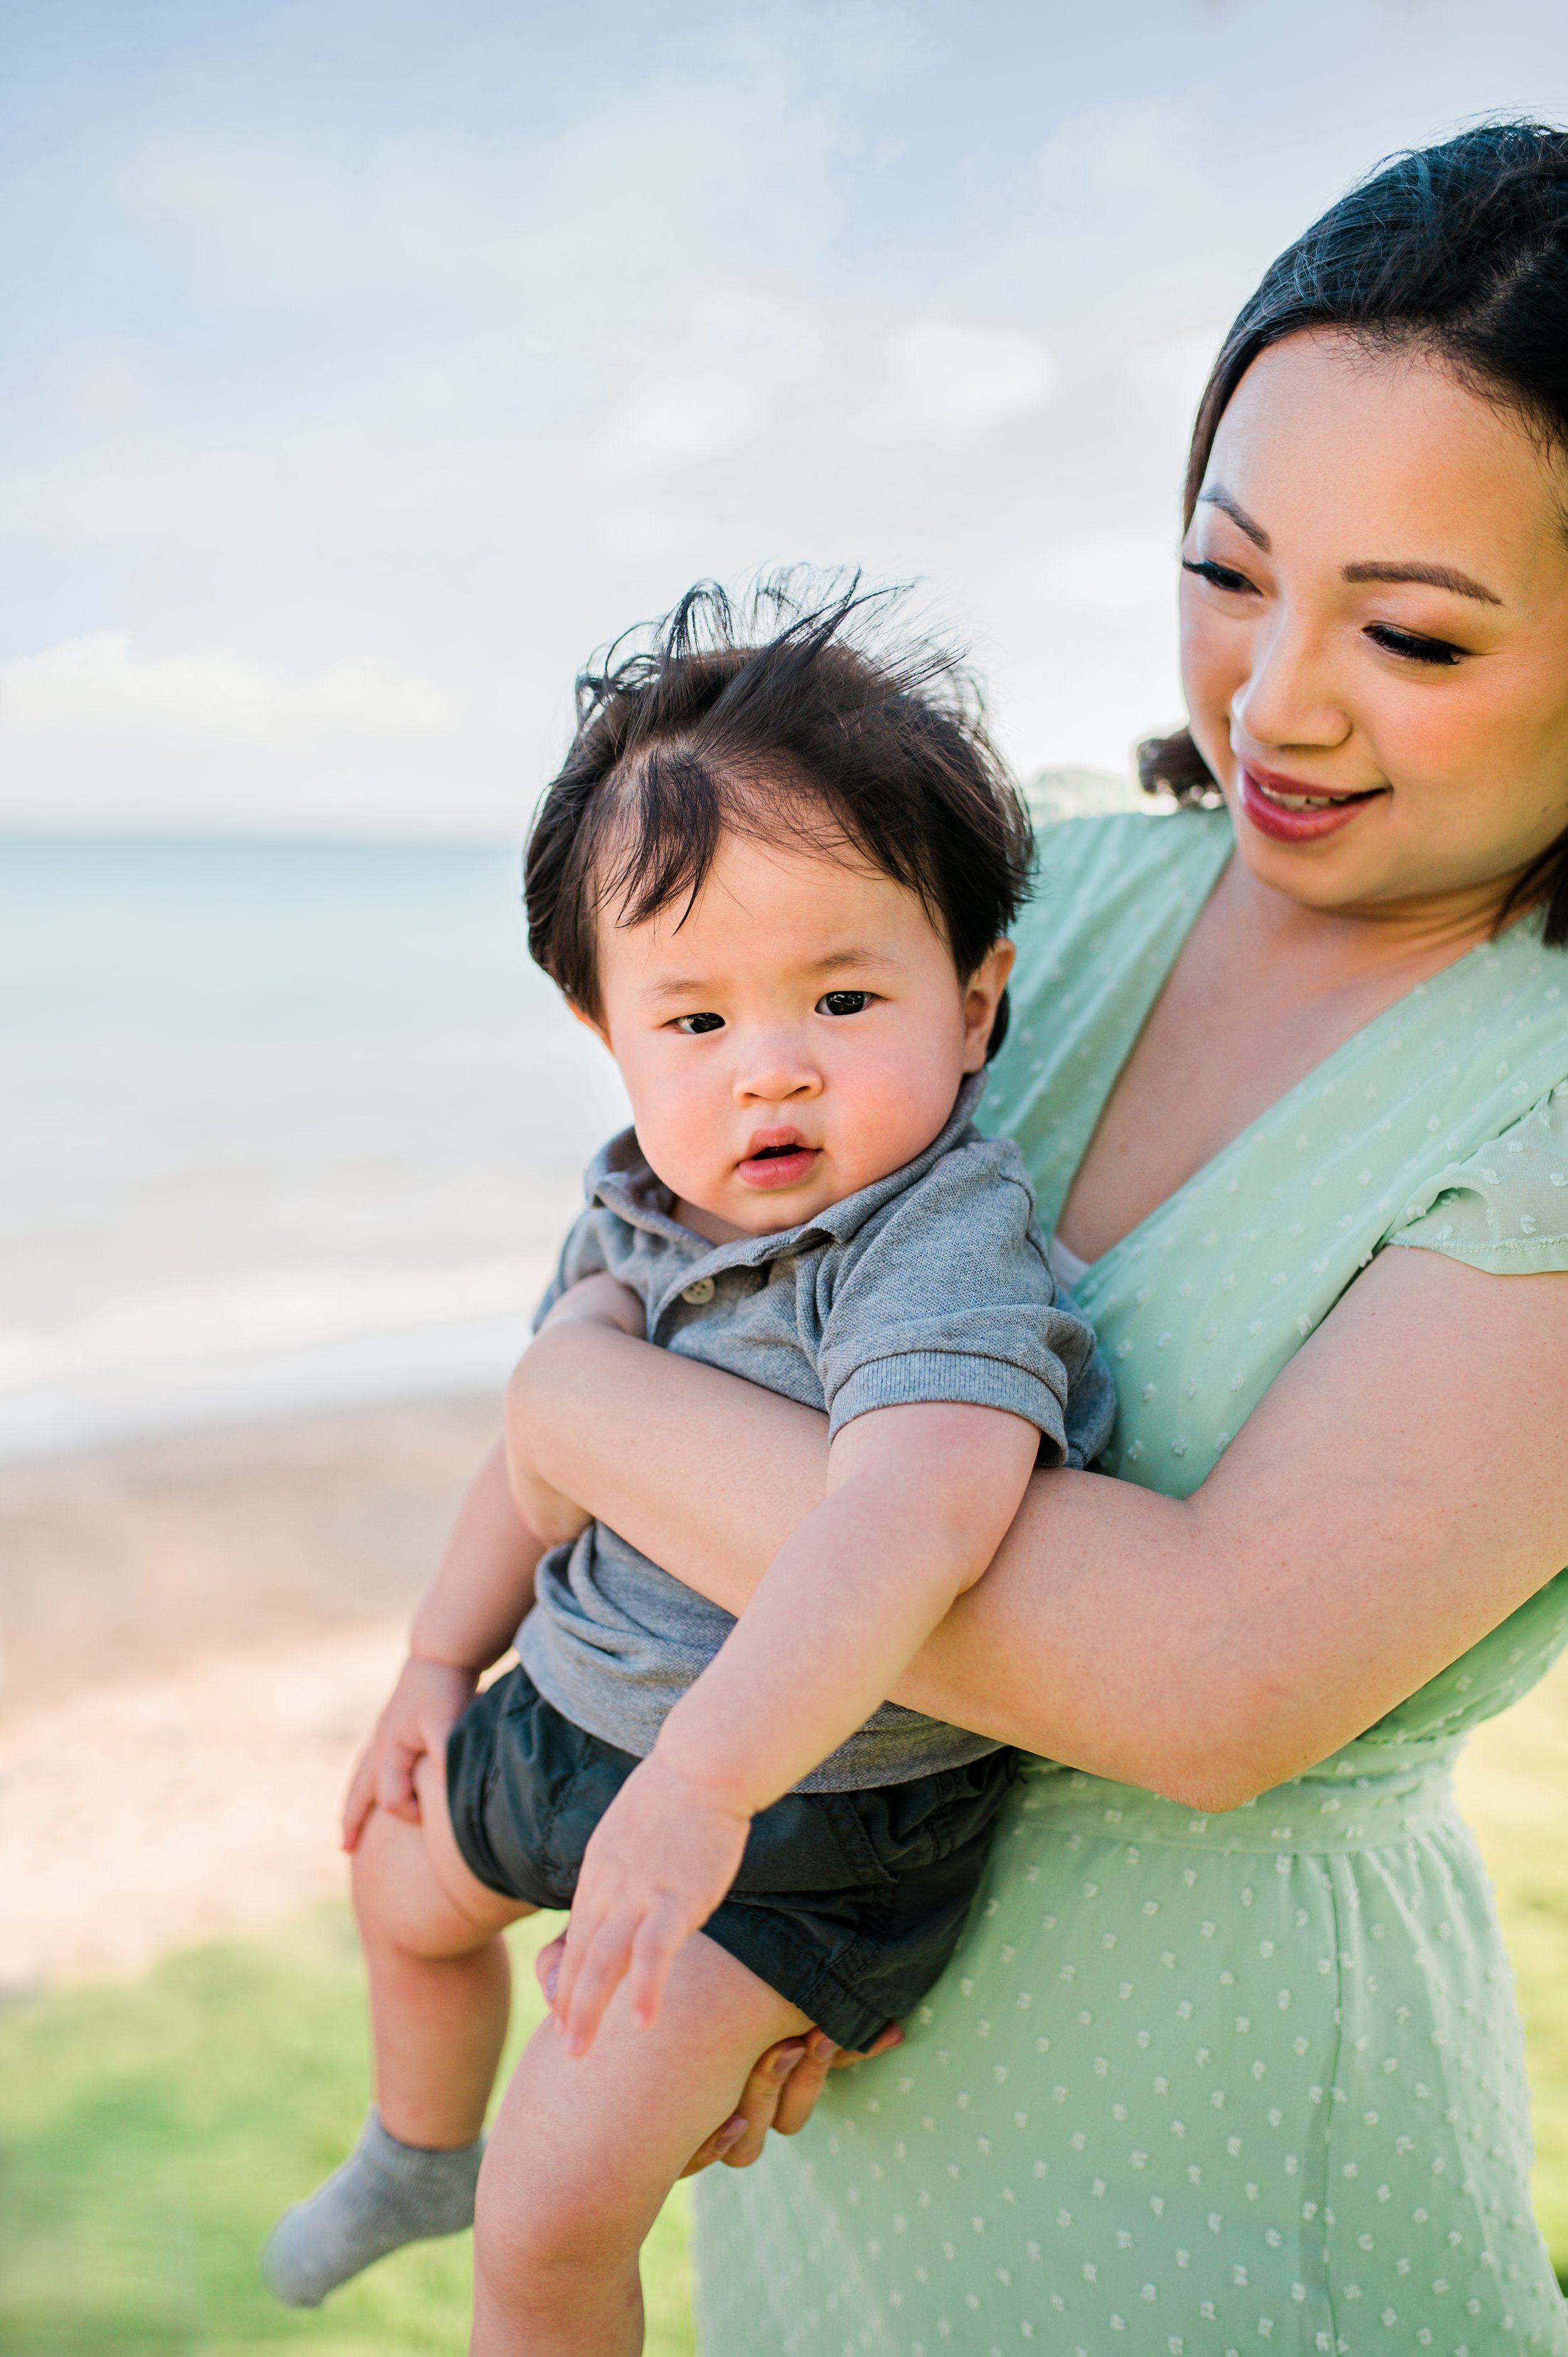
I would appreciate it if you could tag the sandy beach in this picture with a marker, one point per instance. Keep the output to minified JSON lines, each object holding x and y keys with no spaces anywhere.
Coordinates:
{"x":197,"y":1633}
{"x":199,"y":1630}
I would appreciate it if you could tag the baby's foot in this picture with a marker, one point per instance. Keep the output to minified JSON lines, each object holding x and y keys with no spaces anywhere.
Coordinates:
{"x":385,"y":2194}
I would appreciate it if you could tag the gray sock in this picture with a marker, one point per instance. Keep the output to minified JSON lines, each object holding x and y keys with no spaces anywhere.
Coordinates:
{"x":385,"y":2194}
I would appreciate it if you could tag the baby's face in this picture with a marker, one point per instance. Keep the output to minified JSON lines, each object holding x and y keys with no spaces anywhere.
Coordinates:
{"x":802,"y":1033}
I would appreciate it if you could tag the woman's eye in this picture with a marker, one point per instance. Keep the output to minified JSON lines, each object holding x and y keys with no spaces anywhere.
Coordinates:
{"x":843,"y":1002}
{"x":1412,"y":648}
{"x":1218,"y":577}
{"x":693,"y":1024}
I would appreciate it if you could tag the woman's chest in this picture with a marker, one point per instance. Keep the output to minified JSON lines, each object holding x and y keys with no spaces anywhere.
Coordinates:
{"x":1233,"y":1033}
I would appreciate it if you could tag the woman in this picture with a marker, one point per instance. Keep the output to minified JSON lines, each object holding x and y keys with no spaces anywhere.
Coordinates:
{"x":1239,"y":2065}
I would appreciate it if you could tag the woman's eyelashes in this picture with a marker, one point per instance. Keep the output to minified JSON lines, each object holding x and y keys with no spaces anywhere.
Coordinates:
{"x":1409,"y":646}
{"x":1218,"y":577}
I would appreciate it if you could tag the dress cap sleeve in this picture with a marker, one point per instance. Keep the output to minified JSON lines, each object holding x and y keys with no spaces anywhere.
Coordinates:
{"x":1505,"y":1208}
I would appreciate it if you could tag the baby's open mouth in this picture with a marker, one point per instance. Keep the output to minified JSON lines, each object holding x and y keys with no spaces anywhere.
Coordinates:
{"x":779,"y":1162}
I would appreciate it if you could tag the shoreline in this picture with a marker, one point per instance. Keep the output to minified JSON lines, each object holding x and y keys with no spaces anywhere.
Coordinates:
{"x":199,"y":1630}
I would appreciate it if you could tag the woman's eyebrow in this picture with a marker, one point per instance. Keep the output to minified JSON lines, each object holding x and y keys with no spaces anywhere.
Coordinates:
{"x":1436,"y":577}
{"x":1222,"y":499}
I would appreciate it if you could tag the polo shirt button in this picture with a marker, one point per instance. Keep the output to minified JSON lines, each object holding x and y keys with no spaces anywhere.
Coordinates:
{"x":700,"y":1289}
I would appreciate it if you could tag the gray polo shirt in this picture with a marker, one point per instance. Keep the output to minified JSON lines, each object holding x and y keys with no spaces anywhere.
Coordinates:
{"x":931,"y":1284}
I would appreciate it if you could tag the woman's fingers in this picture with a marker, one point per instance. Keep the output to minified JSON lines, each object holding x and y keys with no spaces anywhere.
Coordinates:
{"x":741,"y":2137}
{"x":846,"y":2057}
{"x":799,"y":2098}
{"x":547,"y":1966}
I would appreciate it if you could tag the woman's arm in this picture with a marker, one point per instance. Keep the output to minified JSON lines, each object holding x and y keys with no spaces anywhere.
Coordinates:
{"x":1401,"y":1490}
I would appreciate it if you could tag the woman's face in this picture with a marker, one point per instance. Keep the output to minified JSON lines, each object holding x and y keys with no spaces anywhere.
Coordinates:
{"x":1375,"y":631}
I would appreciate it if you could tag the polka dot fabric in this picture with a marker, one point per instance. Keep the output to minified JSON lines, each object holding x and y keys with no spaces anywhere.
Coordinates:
{"x":1201,"y":2087}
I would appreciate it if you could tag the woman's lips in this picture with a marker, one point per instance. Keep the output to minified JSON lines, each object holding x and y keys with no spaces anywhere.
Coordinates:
{"x":780,"y":1167}
{"x":1292,"y":812}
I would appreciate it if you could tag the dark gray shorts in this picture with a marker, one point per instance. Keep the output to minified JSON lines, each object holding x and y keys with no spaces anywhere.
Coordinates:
{"x":848,"y":1904}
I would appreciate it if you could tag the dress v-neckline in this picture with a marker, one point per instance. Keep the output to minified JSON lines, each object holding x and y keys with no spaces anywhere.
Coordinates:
{"x":1278,"y":1106}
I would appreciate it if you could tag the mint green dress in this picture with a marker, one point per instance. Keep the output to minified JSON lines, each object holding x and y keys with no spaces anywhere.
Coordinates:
{"x":1205,"y":2086}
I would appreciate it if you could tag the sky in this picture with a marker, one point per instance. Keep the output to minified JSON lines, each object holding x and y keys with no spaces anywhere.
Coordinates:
{"x":370,"y":363}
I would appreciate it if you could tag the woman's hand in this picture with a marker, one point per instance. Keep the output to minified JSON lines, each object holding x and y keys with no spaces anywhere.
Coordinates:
{"x":424,"y":1705}
{"x":780,"y":2094}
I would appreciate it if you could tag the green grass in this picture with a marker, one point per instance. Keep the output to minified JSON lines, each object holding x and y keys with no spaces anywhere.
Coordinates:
{"x":1513,"y":1787}
{"x":150,"y":2133}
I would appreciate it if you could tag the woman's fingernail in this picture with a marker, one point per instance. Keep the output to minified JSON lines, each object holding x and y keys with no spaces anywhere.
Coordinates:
{"x":822,"y":2047}
{"x":784,"y":2061}
{"x":731,"y":2133}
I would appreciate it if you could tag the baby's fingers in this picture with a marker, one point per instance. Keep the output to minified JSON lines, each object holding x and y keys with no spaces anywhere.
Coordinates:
{"x":394,"y":1780}
{"x":589,"y":1979}
{"x":660,"y":1938}
{"x":360,"y":1800}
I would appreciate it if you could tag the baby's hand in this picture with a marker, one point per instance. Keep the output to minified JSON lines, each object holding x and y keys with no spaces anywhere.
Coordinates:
{"x":426,"y":1701}
{"x":662,"y":1856}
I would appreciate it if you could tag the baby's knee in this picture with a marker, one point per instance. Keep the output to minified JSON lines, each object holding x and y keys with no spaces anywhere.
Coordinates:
{"x":548,"y":2264}
{"x":399,"y":1901}
{"x":539,"y":2233}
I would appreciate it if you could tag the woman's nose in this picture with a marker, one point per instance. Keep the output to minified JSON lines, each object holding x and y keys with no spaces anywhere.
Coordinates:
{"x":1288,"y":695}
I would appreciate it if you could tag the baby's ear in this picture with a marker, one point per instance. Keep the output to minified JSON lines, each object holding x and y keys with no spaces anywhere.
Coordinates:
{"x":592,"y":1021}
{"x":985,"y":1005}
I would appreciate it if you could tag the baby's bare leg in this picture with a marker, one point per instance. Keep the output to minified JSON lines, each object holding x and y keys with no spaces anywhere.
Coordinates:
{"x":584,"y":2152}
{"x":440,"y":1982}
{"x":439,"y":1999}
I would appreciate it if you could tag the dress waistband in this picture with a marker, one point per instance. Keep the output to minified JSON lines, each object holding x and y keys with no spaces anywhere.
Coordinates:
{"x":1319,"y":1814}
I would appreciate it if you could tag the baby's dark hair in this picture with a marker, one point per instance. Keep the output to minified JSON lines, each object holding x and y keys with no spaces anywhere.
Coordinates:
{"x":799,"y":721}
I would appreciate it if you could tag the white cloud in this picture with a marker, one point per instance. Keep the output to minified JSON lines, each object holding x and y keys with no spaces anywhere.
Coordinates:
{"x":955,"y":379}
{"x":674,"y":419}
{"x":95,"y":691}
{"x":1105,"y":573}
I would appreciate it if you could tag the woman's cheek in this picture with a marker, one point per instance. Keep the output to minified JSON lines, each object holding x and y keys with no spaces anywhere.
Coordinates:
{"x":1214,"y":672}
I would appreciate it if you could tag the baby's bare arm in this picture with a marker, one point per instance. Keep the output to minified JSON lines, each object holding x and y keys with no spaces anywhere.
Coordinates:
{"x":466,"y":1620}
{"x":918,"y":1500}
{"x":920,"y":1497}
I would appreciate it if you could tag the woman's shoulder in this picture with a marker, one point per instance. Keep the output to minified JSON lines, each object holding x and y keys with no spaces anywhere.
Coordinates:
{"x":1091,"y":871}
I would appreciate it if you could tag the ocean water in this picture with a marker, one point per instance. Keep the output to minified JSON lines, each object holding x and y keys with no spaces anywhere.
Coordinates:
{"x":282,"y":1125}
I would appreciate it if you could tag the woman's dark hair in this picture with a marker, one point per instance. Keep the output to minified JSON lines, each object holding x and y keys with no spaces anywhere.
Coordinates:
{"x":1460,"y":251}
{"x":791,"y":723}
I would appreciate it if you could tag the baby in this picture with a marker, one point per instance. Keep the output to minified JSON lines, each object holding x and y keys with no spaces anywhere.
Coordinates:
{"x":775,"y":876}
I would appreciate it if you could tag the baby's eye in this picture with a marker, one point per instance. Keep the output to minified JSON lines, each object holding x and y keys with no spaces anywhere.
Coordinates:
{"x":843,"y":1002}
{"x":693,"y":1023}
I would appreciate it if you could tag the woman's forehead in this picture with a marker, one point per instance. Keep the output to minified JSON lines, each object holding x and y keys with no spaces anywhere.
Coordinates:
{"x":1326,"y":436}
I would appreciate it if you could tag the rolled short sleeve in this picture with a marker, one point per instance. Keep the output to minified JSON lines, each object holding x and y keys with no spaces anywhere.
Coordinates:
{"x":1506,"y":1207}
{"x":951,"y":1298}
{"x":582,"y":1254}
